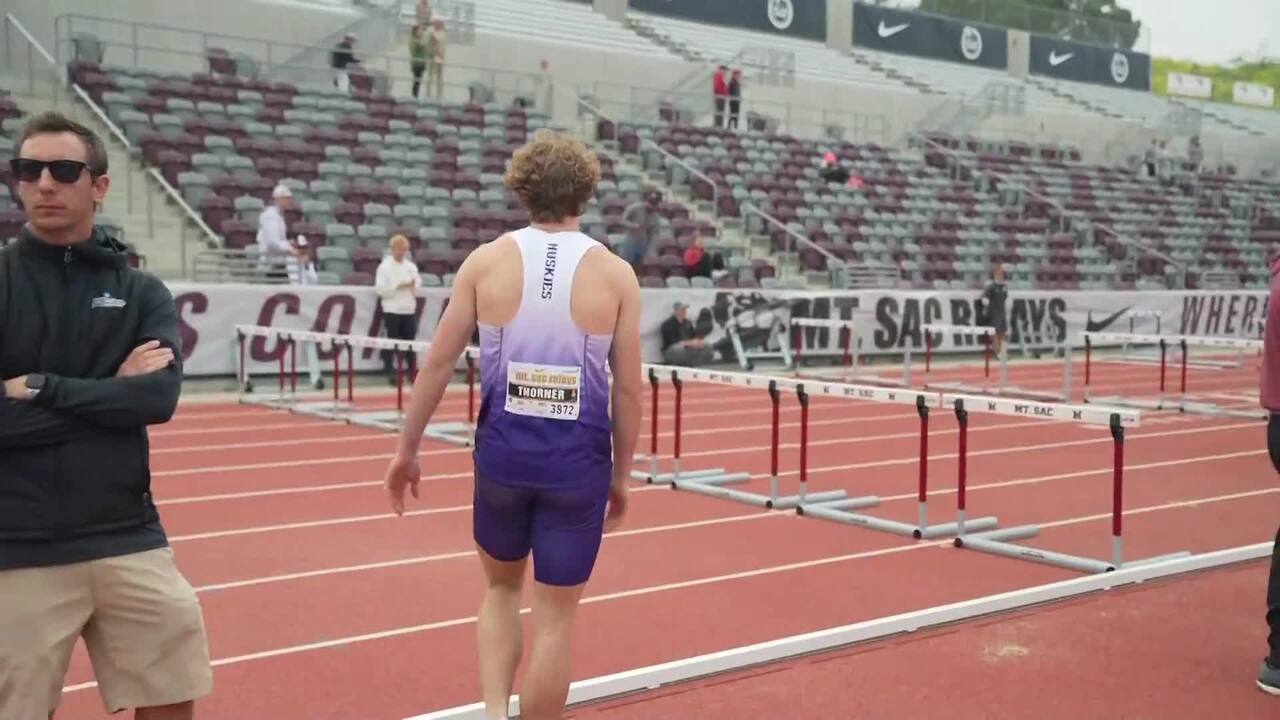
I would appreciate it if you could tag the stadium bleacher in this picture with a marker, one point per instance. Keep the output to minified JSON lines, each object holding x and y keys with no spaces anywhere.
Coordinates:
{"x":362,"y":169}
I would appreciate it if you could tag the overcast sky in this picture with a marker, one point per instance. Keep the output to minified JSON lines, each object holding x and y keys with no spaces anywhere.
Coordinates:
{"x":1209,"y":31}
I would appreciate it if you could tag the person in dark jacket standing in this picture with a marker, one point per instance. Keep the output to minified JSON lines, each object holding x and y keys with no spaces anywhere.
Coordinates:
{"x":1269,"y":397}
{"x":995,"y":295}
{"x":89,"y":357}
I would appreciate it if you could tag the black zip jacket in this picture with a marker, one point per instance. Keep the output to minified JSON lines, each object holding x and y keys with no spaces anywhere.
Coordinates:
{"x":75,"y":482}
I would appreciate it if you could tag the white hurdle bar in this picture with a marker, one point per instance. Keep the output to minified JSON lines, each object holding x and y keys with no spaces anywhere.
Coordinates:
{"x":1165,"y":342}
{"x":849,"y":351}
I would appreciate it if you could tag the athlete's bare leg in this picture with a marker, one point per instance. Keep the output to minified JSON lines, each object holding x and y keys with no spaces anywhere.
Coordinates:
{"x":499,"y":631}
{"x":546,"y":682}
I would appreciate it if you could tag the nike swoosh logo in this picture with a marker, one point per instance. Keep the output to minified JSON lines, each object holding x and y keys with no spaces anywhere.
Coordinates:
{"x":891,"y":30}
{"x":1055,"y":59}
{"x":1091,"y":326}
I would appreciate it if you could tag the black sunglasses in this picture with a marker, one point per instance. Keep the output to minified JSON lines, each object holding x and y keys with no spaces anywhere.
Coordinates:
{"x":63,"y":171}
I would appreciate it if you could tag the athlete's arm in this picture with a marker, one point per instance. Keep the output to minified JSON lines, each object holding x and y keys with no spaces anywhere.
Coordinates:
{"x":447,"y":343}
{"x":624,"y":360}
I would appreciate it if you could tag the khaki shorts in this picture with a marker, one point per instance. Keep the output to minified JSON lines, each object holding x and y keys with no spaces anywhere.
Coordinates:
{"x":139,"y":618}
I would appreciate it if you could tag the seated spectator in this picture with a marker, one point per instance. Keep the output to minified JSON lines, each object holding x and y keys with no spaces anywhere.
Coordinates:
{"x":681,"y":345}
{"x":699,"y":262}
{"x":831,"y":171}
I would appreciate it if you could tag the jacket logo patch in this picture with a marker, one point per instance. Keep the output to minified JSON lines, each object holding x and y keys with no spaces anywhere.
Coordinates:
{"x":106,"y":301}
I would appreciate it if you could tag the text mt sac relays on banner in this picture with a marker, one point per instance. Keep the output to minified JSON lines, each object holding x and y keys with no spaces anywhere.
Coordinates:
{"x":888,"y":321}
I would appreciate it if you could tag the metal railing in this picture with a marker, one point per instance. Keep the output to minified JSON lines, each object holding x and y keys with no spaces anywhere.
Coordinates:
{"x":35,"y":60}
{"x":231,"y":266}
{"x":637,"y":104}
{"x":647,"y":144}
{"x":162,"y":47}
{"x":212,"y":239}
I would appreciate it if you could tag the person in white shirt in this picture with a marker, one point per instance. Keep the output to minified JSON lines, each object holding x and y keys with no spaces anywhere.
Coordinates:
{"x":274,"y":248}
{"x":397,"y":282}
{"x":302,"y":271}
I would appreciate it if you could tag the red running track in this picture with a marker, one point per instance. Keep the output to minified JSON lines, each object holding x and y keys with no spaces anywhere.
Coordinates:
{"x":321,"y":604}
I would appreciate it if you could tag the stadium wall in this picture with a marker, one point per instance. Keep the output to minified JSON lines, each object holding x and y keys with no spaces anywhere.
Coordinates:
{"x":890,"y":320}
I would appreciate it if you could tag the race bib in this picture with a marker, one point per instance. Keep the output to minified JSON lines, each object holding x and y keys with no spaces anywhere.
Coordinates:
{"x":546,"y":391}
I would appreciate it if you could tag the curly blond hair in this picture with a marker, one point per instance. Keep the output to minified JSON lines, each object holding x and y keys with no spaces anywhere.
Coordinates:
{"x":554,"y":175}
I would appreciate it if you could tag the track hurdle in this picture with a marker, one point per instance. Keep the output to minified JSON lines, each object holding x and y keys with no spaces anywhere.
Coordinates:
{"x":1002,"y":386}
{"x":1182,"y":343}
{"x":1003,"y":542}
{"x":1135,"y":316}
{"x":848,"y":354}
{"x":835,"y":506}
{"x":457,"y":433}
{"x":653,"y":476}
{"x":714,"y":483}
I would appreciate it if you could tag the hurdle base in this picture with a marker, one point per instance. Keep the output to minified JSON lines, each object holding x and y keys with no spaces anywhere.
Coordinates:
{"x":1201,"y":408}
{"x":668,"y":478}
{"x":273,"y":400}
{"x":951,"y":529}
{"x":715,"y":488}
{"x":1122,"y":401}
{"x":379,"y":419}
{"x":455,"y":433}
{"x":788,"y":502}
{"x":328,"y":409}
{"x":1001,"y":542}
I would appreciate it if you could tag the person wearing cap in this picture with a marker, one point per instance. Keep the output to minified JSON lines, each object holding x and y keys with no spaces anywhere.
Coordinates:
{"x":681,"y":344}
{"x":642,"y":221}
{"x":274,"y":248}
{"x":302,"y":271}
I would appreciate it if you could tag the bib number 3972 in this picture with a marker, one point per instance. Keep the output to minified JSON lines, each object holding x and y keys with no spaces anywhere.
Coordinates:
{"x":546,"y":391}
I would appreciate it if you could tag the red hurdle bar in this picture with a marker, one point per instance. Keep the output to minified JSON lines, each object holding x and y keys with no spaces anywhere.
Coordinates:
{"x":775,"y":397}
{"x":962,"y":471}
{"x":280,"y":357}
{"x":923,"y":500}
{"x":337,"y":375}
{"x":351,"y":374}
{"x":1182,"y":392}
{"x":675,"y":453}
{"x":803,"y":397}
{"x":399,"y":381}
{"x":1117,"y":494}
{"x":293,"y":366}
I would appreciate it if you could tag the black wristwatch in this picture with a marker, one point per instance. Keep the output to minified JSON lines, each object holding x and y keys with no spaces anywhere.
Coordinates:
{"x":35,"y":383}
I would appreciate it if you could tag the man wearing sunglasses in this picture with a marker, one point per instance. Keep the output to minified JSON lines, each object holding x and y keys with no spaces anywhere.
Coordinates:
{"x":89,"y":357}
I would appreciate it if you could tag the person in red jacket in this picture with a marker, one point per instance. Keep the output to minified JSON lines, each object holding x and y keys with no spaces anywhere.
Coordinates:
{"x":720,"y":87}
{"x":1269,"y":396}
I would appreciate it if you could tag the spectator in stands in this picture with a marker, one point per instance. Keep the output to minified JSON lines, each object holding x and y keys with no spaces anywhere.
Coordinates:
{"x":642,"y":221}
{"x":832,"y":171}
{"x":437,"y":43}
{"x":274,"y":248}
{"x":700,"y":263}
{"x":1269,"y":396}
{"x":302,"y":271}
{"x":994,"y":298}
{"x":735,"y":98}
{"x":720,"y":90}
{"x":681,"y":344}
{"x":417,"y":57}
{"x":342,"y":56}
{"x":396,"y":282}
{"x":1195,"y":153}
{"x":1149,"y":159}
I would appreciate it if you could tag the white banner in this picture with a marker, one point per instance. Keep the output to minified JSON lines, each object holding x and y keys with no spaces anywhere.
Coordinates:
{"x":1253,"y":94}
{"x":889,"y":322}
{"x":1190,"y":85}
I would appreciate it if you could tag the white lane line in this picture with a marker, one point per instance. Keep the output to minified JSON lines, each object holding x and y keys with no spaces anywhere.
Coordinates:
{"x":710,"y":522}
{"x":698,"y":582}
